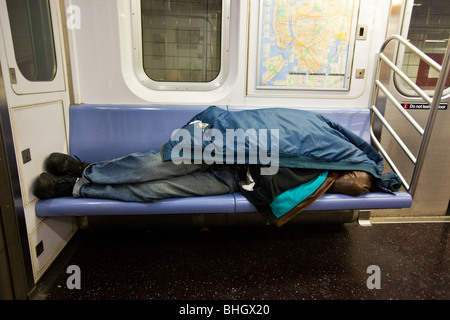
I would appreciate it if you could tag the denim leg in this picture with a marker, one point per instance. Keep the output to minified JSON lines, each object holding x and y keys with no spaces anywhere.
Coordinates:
{"x":195,"y":184}
{"x":136,"y":168}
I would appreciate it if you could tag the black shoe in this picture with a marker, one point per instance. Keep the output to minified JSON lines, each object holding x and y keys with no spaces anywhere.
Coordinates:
{"x":61,"y":164}
{"x":49,"y":186}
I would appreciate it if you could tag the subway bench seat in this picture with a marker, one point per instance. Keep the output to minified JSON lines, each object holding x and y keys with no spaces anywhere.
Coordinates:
{"x":105,"y":132}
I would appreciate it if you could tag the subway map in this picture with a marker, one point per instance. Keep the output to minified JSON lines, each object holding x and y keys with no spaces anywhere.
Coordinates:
{"x":305,"y":44}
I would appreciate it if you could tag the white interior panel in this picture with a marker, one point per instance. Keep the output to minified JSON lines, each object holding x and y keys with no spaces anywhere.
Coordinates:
{"x":109,"y":75}
{"x":41,"y":128}
{"x":54,"y":234}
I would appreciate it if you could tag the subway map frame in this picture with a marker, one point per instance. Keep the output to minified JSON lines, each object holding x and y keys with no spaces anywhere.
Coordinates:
{"x":306,"y":44}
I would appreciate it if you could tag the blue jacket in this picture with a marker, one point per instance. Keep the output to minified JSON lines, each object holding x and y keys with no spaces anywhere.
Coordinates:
{"x":305,"y":140}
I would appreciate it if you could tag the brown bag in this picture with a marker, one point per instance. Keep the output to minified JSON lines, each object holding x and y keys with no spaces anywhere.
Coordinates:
{"x":352,"y":183}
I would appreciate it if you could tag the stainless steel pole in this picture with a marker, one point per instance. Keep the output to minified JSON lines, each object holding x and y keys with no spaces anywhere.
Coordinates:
{"x":440,"y":86}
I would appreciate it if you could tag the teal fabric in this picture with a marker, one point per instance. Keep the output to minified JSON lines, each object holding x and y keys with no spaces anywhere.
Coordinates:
{"x":292,"y":197}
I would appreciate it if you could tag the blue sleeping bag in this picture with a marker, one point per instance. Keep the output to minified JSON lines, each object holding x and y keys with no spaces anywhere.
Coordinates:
{"x":274,"y":136}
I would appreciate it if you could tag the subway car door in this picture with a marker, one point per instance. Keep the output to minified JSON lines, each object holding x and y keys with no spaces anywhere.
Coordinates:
{"x":34,"y":119}
{"x":426,"y":24}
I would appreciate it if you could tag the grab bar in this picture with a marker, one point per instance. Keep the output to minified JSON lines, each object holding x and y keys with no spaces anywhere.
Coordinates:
{"x":444,"y":71}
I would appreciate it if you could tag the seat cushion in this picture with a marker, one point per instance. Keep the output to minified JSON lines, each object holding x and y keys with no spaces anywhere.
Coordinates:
{"x":335,"y":201}
{"x":70,"y":206}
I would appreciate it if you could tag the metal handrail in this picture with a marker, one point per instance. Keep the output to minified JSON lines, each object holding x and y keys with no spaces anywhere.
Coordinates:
{"x":395,"y":135}
{"x":444,"y":72}
{"x":402,"y":75}
{"x":416,"y":50}
{"x":400,"y":108}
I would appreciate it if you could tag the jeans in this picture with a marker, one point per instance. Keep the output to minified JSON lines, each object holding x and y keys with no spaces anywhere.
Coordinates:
{"x":146,"y":178}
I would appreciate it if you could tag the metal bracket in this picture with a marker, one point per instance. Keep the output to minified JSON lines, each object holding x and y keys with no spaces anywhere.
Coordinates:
{"x":83,"y":222}
{"x":364,"y":218}
{"x":360,"y":73}
{"x":12,"y":75}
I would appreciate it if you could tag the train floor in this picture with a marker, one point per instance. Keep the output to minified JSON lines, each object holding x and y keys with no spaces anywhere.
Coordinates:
{"x":407,"y":261}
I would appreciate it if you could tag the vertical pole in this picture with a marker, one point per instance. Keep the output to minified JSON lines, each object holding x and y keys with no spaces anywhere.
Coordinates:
{"x":440,"y":86}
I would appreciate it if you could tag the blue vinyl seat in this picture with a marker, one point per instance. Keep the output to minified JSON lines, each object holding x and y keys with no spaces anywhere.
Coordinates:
{"x":104,"y":132}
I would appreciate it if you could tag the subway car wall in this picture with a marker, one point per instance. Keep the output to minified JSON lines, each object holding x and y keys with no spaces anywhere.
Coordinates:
{"x":112,"y":31}
{"x":239,"y":53}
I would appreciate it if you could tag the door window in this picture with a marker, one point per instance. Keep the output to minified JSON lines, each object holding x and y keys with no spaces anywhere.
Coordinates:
{"x":32,"y":35}
{"x":181,"y":39}
{"x":429,"y":30}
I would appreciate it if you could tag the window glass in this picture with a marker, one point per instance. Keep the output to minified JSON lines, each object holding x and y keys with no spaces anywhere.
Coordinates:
{"x":32,"y":34}
{"x":181,"y":39}
{"x":429,"y":30}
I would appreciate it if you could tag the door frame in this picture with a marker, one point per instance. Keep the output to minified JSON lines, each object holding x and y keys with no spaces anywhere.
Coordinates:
{"x":12,"y":211}
{"x":20,"y":98}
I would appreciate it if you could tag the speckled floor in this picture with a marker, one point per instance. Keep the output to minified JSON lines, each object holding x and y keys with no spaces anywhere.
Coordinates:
{"x":312,"y":262}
